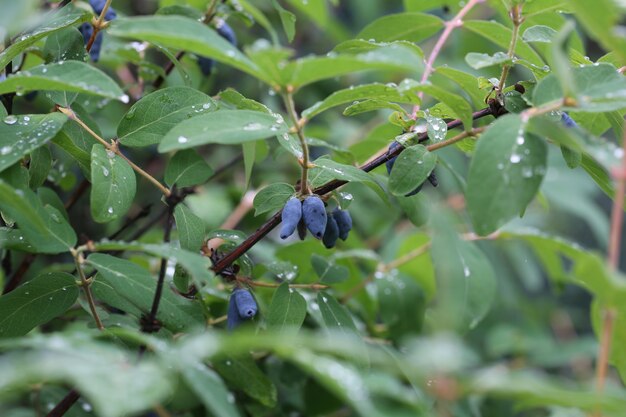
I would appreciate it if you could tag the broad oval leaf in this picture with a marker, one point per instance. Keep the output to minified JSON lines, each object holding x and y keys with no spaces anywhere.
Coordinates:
{"x":190,"y":228}
{"x":410,"y":26}
{"x":597,"y":88}
{"x":505,"y":173}
{"x":307,"y":70}
{"x":271,"y":198}
{"x":335,"y":316}
{"x":73,"y":76}
{"x":44,"y":226}
{"x":210,"y":388}
{"x":137,"y":286}
{"x":20,"y":135}
{"x":183,"y":33}
{"x":287,"y":310}
{"x":466,"y":283}
{"x":411,"y":169}
{"x":458,"y":104}
{"x":21,"y":309}
{"x":243,"y":373}
{"x":229,"y":127}
{"x":198,"y":266}
{"x":154,"y":115}
{"x":501,"y":36}
{"x":377,"y":91}
{"x":113,"y":185}
{"x":54,"y":23}
{"x":187,"y":168}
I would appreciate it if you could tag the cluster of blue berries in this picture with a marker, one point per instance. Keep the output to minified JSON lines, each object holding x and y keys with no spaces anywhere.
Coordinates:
{"x":311,"y":214}
{"x":87,"y":29}
{"x":226,"y":32}
{"x":389,"y":164}
{"x":241,"y":307}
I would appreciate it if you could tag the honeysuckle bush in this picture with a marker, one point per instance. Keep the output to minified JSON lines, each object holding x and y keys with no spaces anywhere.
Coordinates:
{"x":148,"y":147}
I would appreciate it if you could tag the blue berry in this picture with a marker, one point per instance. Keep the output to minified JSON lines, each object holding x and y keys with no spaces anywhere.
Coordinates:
{"x":246,"y":304}
{"x":314,"y":215}
{"x":233,"y":319}
{"x":567,"y":120}
{"x":291,"y":215}
{"x":241,"y":307}
{"x":344,"y":222}
{"x":331,"y":233}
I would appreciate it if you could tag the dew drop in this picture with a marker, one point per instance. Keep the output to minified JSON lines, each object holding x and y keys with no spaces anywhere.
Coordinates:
{"x":252,"y":126}
{"x":5,"y":150}
{"x":182,"y":139}
{"x":10,"y":119}
{"x":515,"y":158}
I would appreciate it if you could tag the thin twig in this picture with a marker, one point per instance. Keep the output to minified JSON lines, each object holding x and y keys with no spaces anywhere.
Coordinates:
{"x":243,"y":208}
{"x":270,"y":224}
{"x":615,"y":239}
{"x":304,"y":163}
{"x":86,"y":284}
{"x":114,"y":147}
{"x":450,"y":25}
{"x":169,"y":224}
{"x":65,"y":404}
{"x":98,"y":25}
{"x":461,"y":136}
{"x":516,"y":17}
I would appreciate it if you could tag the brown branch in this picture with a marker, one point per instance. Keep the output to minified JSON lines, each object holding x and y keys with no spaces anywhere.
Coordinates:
{"x":65,"y":404}
{"x":267,"y":227}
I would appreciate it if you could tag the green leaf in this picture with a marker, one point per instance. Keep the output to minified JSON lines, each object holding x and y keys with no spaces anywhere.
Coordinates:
{"x":182,"y":33}
{"x":412,"y":167}
{"x":243,"y":373}
{"x":413,"y":27}
{"x":76,"y":141}
{"x":198,"y":266}
{"x":20,"y":135}
{"x":370,"y":105}
{"x":316,"y":10}
{"x":505,"y":173}
{"x":458,"y":104}
{"x":287,"y":19}
{"x":44,"y":226}
{"x":501,"y":36}
{"x":272,"y":198}
{"x":190,"y":228}
{"x":53,"y":23}
{"x":64,"y":45}
{"x":208,"y":386}
{"x":598,"y":88}
{"x":155,"y":114}
{"x":73,"y":76}
{"x":478,"y":61}
{"x":39,"y":166}
{"x":377,"y":91}
{"x":106,"y":371}
{"x":539,"y":33}
{"x":415,"y":208}
{"x":229,"y":127}
{"x":137,"y":286}
{"x":335,"y":315}
{"x":305,"y":71}
{"x":436,"y":128}
{"x":287,"y":310}
{"x":21,"y":309}
{"x":186,"y":169}
{"x":113,"y":185}
{"x":328,"y":272}
{"x":466,"y":282}
{"x":401,"y":304}
{"x":327,"y":169}
{"x":601,"y":20}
